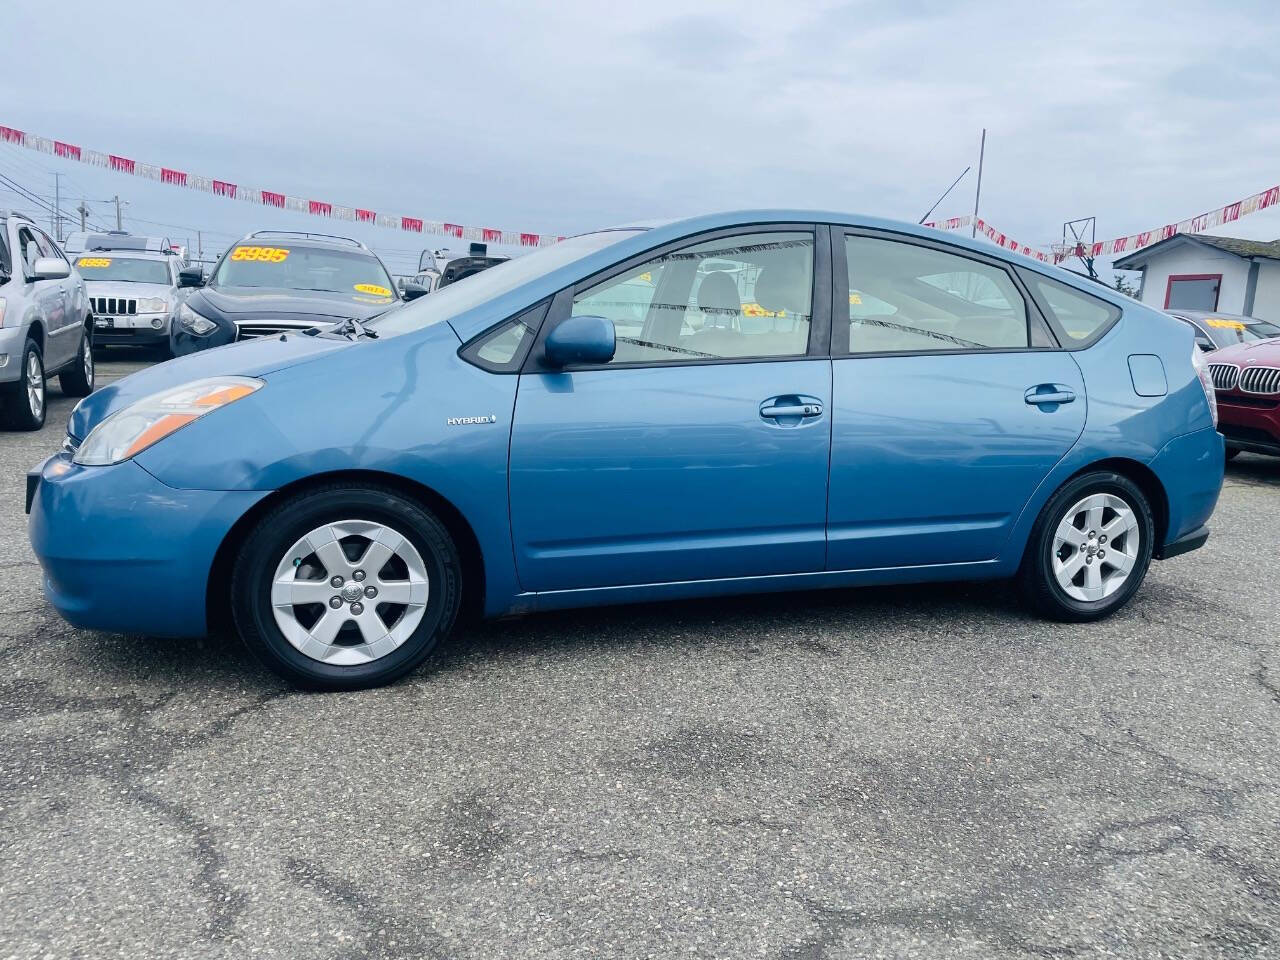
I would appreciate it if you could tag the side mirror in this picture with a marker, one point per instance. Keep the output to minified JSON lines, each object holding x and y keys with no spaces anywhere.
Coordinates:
{"x":51,"y":268}
{"x":580,"y":340}
{"x":412,"y":291}
{"x":191,"y":277}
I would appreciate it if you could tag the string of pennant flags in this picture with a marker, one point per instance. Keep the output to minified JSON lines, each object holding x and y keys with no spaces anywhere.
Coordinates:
{"x":271,"y":198}
{"x":1192,"y":225}
{"x":523,"y":238}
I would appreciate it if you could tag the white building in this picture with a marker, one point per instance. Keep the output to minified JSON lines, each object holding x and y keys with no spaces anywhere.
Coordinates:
{"x":1201,"y":272}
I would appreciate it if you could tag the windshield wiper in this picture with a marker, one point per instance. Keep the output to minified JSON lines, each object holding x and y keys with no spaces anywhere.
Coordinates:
{"x":351,"y":328}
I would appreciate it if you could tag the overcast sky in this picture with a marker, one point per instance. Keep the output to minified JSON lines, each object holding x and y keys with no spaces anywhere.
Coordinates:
{"x":563,"y":116}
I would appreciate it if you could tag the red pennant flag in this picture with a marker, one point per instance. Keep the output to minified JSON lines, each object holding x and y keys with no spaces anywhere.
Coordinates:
{"x":272,"y":199}
{"x":224,"y":189}
{"x":123,"y":164}
{"x":176,"y":177}
{"x":365,"y":216}
{"x":11,"y":135}
{"x":529,"y":239}
{"x":68,"y":150}
{"x":1232,"y":212}
{"x":411,"y":223}
{"x":1272,"y":196}
{"x":490,"y":235}
{"x":320,"y":208}
{"x":453,"y":229}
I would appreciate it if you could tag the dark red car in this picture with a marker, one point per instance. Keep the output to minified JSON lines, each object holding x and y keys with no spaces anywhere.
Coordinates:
{"x":1247,"y":381}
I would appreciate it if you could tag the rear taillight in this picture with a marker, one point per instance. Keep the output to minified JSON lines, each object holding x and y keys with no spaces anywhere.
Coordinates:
{"x":1206,"y":380}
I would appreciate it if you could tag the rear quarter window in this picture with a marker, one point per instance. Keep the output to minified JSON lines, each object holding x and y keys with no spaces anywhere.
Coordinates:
{"x":1080,"y":318}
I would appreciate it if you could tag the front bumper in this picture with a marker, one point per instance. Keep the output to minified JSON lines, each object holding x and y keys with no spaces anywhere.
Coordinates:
{"x":12,"y":340}
{"x":1250,"y":421}
{"x":134,"y":329}
{"x":121,"y":551}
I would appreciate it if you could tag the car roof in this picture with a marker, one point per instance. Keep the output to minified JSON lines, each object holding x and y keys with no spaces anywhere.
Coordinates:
{"x":301,"y":239}
{"x":1206,"y":314}
{"x":115,"y":254}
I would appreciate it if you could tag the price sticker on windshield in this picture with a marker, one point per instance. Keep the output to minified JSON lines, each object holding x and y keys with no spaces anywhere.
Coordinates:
{"x":94,"y":262}
{"x":1224,"y":324}
{"x":260,"y":254}
{"x":372,"y":289}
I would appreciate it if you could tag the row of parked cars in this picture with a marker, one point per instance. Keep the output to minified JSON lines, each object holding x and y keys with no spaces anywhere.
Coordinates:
{"x":60,"y":304}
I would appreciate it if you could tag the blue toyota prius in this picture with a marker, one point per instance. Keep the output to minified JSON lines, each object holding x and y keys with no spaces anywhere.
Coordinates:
{"x":757,"y":401}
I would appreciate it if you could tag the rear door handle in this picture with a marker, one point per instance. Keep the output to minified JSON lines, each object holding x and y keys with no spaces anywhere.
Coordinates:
{"x":1047,"y":393}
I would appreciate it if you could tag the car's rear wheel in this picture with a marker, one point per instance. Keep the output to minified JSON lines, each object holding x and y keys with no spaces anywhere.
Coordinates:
{"x":1090,"y":548}
{"x":24,"y":407}
{"x":77,"y":380}
{"x":345,"y":587}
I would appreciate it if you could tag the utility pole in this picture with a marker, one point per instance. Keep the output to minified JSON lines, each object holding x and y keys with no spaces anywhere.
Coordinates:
{"x":977,"y":194}
{"x":83,"y":210}
{"x":199,"y":246}
{"x":119,"y":219}
{"x":57,"y":206}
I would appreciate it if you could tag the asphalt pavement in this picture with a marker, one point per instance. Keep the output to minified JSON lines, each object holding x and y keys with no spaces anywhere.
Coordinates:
{"x":912,"y":772}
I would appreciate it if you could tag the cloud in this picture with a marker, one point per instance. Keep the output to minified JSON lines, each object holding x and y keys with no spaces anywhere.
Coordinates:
{"x":563,"y":116}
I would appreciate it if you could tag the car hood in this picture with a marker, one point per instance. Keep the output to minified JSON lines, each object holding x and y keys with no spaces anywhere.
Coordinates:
{"x":1260,"y":351}
{"x":250,"y":358}
{"x":134,"y":291}
{"x":269,"y":303}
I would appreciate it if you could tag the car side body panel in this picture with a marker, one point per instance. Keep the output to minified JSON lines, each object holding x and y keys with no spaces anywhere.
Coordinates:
{"x":342,"y":420}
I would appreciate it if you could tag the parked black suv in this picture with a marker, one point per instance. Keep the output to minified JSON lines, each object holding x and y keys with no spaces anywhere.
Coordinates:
{"x":275,"y":281}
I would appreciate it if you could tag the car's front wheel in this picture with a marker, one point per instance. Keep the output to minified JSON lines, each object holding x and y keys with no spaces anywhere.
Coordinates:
{"x":345,"y":587}
{"x":25,"y":405}
{"x":1090,"y":548}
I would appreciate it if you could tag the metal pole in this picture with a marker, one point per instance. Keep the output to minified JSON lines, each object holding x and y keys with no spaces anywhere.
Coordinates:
{"x":57,"y":207}
{"x":977,"y":194}
{"x":119,"y":221}
{"x":944,"y":195}
{"x":84,"y":214}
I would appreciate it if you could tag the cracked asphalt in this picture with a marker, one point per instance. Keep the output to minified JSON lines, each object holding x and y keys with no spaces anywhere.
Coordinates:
{"x":910,"y":772}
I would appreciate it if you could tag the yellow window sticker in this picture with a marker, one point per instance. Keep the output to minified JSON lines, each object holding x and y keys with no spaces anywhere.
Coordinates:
{"x":372,"y":289}
{"x":94,"y":262}
{"x":855,"y":298}
{"x":1224,"y":324}
{"x":260,"y":254}
{"x":755,"y":310}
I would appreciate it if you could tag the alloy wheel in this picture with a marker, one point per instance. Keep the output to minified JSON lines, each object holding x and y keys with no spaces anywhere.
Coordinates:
{"x":349,"y":592}
{"x":35,"y":385}
{"x":1095,"y":547}
{"x":86,"y":349}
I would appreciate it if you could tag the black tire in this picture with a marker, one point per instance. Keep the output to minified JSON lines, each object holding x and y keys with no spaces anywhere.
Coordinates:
{"x":18,"y":413}
{"x":77,"y":379}
{"x":1036,"y":577}
{"x":255,"y":568}
{"x":1232,"y":453}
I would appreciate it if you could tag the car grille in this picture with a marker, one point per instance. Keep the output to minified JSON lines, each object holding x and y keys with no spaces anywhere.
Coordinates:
{"x":251,"y":331}
{"x":114,"y":306}
{"x":1260,"y":379}
{"x":1225,"y":375}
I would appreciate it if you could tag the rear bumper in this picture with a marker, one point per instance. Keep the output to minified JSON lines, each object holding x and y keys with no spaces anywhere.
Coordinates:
{"x":1184,"y":544}
{"x":121,"y":551}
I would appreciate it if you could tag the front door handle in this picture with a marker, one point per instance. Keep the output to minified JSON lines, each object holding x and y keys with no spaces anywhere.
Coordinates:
{"x":791,"y":410}
{"x":1049,"y":393}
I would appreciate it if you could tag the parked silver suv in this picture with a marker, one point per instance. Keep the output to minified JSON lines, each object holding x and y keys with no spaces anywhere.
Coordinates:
{"x":45,"y":323}
{"x":133,"y":294}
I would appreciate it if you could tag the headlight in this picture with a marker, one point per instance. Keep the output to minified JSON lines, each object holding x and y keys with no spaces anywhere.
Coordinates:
{"x":198,"y":324}
{"x":128,"y":432}
{"x":153,"y":305}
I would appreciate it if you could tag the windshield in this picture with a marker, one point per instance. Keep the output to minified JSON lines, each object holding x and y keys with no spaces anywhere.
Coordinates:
{"x":358,"y":274}
{"x":123,"y":269}
{"x":1226,"y":331}
{"x":458,"y":298}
